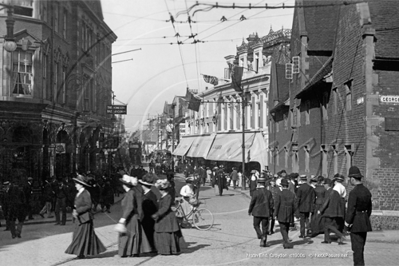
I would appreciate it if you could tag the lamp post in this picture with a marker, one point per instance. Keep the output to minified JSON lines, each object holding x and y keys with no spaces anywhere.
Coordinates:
{"x":9,"y":44}
{"x":173,"y":135}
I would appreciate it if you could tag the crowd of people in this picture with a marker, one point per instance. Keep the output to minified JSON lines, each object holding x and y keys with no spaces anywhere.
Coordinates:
{"x":322,"y":205}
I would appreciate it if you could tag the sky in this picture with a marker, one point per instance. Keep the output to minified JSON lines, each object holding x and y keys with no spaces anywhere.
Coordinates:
{"x":157,"y":70}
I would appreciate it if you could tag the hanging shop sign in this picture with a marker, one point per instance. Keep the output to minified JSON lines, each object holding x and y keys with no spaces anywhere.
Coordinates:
{"x":60,"y":148}
{"x":390,"y":99}
{"x":117,"y":109}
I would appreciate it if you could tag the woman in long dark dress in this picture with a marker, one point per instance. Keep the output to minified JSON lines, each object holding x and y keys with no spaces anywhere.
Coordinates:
{"x":168,"y":237}
{"x":317,"y":221}
{"x":131,"y":242}
{"x":85,"y":241}
{"x":150,"y":206}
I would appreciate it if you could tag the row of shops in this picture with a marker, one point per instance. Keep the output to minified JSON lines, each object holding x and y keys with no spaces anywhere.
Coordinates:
{"x":223,"y":148}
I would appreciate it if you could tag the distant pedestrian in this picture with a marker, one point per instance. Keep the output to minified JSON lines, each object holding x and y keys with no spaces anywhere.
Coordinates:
{"x":274,"y":190}
{"x":305,"y":196}
{"x":332,"y":211}
{"x":168,"y":236}
{"x":340,"y":188}
{"x":14,"y":208}
{"x":28,"y":191}
{"x":357,"y":218}
{"x":220,"y":180}
{"x":61,"y":194}
{"x":48,"y":195}
{"x":84,"y":241}
{"x":234,"y":177}
{"x":284,"y":208}
{"x":253,"y":181}
{"x":261,"y":207}
{"x":107,"y":195}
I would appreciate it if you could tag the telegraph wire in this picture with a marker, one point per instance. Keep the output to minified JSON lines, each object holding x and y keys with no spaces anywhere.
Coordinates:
{"x":178,"y":41}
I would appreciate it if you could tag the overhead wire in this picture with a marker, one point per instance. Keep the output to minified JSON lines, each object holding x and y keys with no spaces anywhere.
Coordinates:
{"x":178,"y":41}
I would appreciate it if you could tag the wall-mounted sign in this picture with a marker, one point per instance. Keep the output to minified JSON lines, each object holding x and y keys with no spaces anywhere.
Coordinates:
{"x":117,"y":109}
{"x":389,"y":99}
{"x":60,"y":148}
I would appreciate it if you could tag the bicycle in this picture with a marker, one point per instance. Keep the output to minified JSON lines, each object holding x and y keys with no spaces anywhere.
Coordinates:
{"x":201,"y":218}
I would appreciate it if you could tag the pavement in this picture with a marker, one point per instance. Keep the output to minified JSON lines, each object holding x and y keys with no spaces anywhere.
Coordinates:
{"x":232,"y":242}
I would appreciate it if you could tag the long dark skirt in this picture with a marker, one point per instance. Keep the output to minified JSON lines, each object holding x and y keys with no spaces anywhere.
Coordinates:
{"x":169,"y":243}
{"x":85,"y":241}
{"x":134,"y":241}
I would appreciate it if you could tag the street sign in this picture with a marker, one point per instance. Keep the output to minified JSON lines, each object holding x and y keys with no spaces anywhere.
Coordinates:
{"x":117,"y":109}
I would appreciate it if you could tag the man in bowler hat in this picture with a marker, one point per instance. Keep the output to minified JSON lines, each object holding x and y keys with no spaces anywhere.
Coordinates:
{"x":305,"y":197}
{"x":284,"y":208}
{"x":333,"y":212}
{"x":357,"y":219}
{"x":261,"y":208}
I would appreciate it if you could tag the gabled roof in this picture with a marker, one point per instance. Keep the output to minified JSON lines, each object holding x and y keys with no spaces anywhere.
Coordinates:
{"x":95,"y":6}
{"x":326,"y":69}
{"x":385,"y":21}
{"x":321,"y":24}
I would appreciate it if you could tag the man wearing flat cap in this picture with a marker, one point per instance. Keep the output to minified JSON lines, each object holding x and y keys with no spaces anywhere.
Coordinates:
{"x":357,"y":218}
{"x":261,"y":208}
{"x":305,"y":197}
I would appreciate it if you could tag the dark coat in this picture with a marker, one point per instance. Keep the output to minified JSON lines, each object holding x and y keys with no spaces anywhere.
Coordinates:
{"x":305,"y":197}
{"x":14,"y":204}
{"x":284,"y":206}
{"x":332,"y":206}
{"x":320,"y":192}
{"x":129,"y":206}
{"x":83,"y":206}
{"x":48,"y":193}
{"x":138,"y":195}
{"x":261,"y":203}
{"x":165,"y":220}
{"x":359,"y":209}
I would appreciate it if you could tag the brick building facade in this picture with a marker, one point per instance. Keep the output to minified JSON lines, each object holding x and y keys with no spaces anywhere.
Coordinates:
{"x":342,"y":105}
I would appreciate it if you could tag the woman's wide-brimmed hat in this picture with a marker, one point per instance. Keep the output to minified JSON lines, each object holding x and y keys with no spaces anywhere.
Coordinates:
{"x":190,"y":179}
{"x":128,"y":180}
{"x":148,"y":179}
{"x":81,"y":179}
{"x":162,"y":184}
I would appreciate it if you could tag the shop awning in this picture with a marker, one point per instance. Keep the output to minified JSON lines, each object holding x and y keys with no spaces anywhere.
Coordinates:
{"x":227,"y":147}
{"x":200,"y":147}
{"x":184,"y":146}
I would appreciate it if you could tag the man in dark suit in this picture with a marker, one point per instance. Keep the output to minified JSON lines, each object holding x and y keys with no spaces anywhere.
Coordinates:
{"x":261,"y":208}
{"x":284,"y":208}
{"x":357,"y":218}
{"x":305,"y":197}
{"x":27,"y":188}
{"x":14,"y":207}
{"x":332,"y":211}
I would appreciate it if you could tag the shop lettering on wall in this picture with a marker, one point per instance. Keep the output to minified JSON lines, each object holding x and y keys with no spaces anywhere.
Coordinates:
{"x":390,"y":99}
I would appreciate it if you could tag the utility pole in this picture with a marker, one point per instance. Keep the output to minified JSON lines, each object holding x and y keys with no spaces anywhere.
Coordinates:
{"x":243,"y":104}
{"x":173,"y":135}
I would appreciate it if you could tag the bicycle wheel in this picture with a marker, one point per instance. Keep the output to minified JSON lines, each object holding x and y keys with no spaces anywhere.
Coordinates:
{"x":203,"y":219}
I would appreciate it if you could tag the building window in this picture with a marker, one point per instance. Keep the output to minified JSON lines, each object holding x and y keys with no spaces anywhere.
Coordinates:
{"x":286,"y":153}
{"x":349,"y":151}
{"x":44,"y":12}
{"x":335,"y":158}
{"x":285,"y":122}
{"x":64,"y":91}
{"x":307,"y":113}
{"x":55,"y":85}
{"x":324,"y":105}
{"x":86,"y":95}
{"x":64,"y":29}
{"x":93,"y":95}
{"x":298,"y":116}
{"x":44,"y":75}
{"x":22,"y":73}
{"x":348,"y":95}
{"x":335,"y":93}
{"x":307,"y":159}
{"x":277,"y":157}
{"x":277,"y":126}
{"x":324,"y":160}
{"x":295,"y":162}
{"x":24,"y":8}
{"x":293,"y":118}
{"x":56,"y":18}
